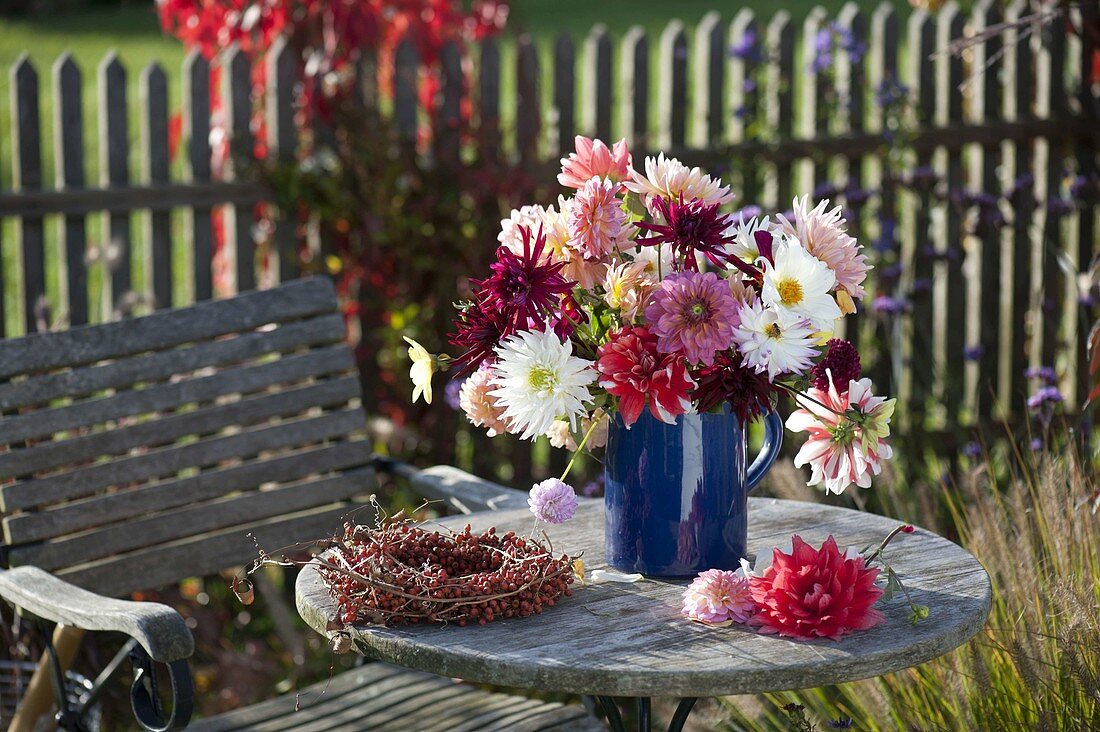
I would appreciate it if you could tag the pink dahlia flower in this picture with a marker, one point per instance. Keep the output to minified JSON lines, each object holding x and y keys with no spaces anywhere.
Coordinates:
{"x":552,"y":501}
{"x":847,"y":434}
{"x":597,"y":220}
{"x":695,"y":314}
{"x":593,"y":158}
{"x":815,"y":593}
{"x":717,"y":596}
{"x":480,"y":407}
{"x":822,"y":233}
{"x":632,"y":369}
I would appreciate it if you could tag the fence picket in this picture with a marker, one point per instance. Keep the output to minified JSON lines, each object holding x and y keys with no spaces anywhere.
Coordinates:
{"x":745,"y":58}
{"x":951,"y":25}
{"x":919,"y":337}
{"x":155,"y":170}
{"x":236,"y":93}
{"x":528,"y":108}
{"x":672,"y":84}
{"x":448,"y":133}
{"x":598,"y":95}
{"x":196,"y":130}
{"x":851,"y":93}
{"x":780,"y":100}
{"x":68,"y":129}
{"x":565,"y":93}
{"x":884,"y":50}
{"x":987,"y":108}
{"x":405,"y":106}
{"x":27,"y":176}
{"x":634,"y":70}
{"x":1020,"y":93}
{"x":1087,"y":254}
{"x":489,"y":101}
{"x":814,"y":107}
{"x":282,"y":144}
{"x":1051,"y":97}
{"x":708,"y":75}
{"x":114,"y":153}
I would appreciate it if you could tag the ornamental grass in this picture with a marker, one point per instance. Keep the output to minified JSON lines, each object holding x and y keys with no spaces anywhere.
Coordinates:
{"x":1036,"y":666}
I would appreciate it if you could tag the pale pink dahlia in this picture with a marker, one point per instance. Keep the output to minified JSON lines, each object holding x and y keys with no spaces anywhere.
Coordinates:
{"x":848,"y":432}
{"x":693,"y":313}
{"x":552,"y":501}
{"x":671,"y":179}
{"x":597,"y":220}
{"x":593,"y":158}
{"x":717,"y":596}
{"x":480,"y":407}
{"x":822,"y":233}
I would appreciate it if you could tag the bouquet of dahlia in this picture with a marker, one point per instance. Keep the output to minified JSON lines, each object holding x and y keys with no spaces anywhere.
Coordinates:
{"x":642,"y":291}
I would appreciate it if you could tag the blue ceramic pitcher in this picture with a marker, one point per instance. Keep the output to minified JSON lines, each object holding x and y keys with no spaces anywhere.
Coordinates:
{"x":676,"y":495}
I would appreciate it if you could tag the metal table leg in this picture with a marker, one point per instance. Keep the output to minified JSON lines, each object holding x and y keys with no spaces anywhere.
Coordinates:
{"x":615,"y":720}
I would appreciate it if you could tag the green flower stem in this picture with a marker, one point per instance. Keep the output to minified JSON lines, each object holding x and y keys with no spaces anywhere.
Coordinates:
{"x":580,"y":447}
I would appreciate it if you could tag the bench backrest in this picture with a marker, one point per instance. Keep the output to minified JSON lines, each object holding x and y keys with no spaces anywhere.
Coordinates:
{"x":137,"y":453}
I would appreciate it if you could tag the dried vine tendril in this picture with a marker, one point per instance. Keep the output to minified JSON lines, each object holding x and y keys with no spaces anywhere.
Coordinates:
{"x":398,"y":572}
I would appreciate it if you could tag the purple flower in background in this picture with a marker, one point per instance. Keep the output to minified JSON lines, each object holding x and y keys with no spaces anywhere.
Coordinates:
{"x":856,"y":196}
{"x":749,"y":86}
{"x":451,"y":392}
{"x":890,"y":272}
{"x":748,"y":212}
{"x":1085,"y":187}
{"x":1022,"y":191}
{"x":1036,"y":444}
{"x":593,"y":488}
{"x":923,"y":177}
{"x":552,"y":501}
{"x":842,"y":723}
{"x":972,"y":449}
{"x":921,"y":285}
{"x":973,"y":353}
{"x":746,"y":48}
{"x":1046,"y":396}
{"x":891,"y":93}
{"x":1042,"y":373}
{"x":889,"y":305}
{"x":825,"y":190}
{"x":1059,"y":207}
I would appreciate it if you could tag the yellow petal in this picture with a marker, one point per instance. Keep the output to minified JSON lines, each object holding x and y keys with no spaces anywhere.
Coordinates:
{"x":845,"y":302}
{"x":423,"y":367}
{"x":578,"y":569}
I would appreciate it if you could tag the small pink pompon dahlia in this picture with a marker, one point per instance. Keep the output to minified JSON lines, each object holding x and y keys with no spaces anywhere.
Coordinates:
{"x":693,"y":313}
{"x":822,"y":233}
{"x":593,"y":158}
{"x":815,"y":593}
{"x":718,"y":596}
{"x":552,"y":501}
{"x":848,"y":432}
{"x":597,"y":221}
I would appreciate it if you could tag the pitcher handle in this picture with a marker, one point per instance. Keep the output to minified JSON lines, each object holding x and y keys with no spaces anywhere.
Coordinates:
{"x":773,"y":441}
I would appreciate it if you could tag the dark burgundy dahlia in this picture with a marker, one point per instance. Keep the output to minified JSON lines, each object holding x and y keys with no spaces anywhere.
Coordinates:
{"x":728,"y":380}
{"x":690,"y":228}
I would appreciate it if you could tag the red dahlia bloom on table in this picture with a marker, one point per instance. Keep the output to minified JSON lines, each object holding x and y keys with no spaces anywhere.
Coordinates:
{"x":815,"y":593}
{"x":631,"y":368}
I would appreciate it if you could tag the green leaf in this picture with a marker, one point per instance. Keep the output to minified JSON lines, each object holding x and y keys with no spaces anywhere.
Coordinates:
{"x":893,"y":585}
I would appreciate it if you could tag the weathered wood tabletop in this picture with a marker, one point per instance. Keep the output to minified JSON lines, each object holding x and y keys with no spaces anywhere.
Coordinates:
{"x":630,"y":640}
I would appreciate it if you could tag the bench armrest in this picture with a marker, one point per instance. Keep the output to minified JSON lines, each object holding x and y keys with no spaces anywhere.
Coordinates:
{"x":465,"y":492}
{"x":159,"y":629}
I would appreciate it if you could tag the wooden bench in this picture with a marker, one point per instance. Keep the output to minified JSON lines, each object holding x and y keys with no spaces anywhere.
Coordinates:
{"x":138,"y":453}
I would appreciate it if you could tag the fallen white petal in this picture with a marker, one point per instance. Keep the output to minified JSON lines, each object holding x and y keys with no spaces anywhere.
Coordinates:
{"x":606,"y":575}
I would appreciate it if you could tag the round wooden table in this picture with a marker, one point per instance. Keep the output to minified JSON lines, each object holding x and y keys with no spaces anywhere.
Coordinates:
{"x":629,"y":640}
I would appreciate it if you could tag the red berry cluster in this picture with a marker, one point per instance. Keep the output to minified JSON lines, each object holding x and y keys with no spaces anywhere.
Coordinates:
{"x":397,"y":573}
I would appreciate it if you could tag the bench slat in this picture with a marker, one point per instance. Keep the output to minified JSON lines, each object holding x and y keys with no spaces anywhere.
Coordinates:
{"x":160,"y":365}
{"x":159,"y":463}
{"x":195,"y":519}
{"x":166,"y":328}
{"x":323,"y":362}
{"x":204,"y":421}
{"x":174,"y":492}
{"x":205,"y":554}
